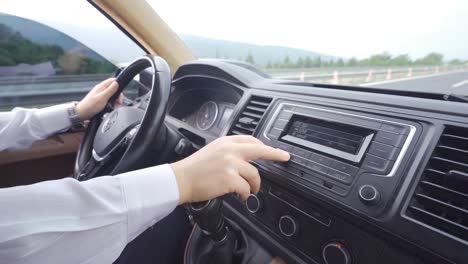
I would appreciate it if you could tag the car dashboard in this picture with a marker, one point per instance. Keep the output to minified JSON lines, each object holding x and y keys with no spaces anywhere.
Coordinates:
{"x":374,"y":177}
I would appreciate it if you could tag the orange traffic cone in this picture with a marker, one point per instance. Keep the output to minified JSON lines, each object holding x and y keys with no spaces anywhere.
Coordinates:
{"x":410,"y":72}
{"x":335,"y":79}
{"x":301,"y":76}
{"x":389,"y":75}
{"x":369,"y":76}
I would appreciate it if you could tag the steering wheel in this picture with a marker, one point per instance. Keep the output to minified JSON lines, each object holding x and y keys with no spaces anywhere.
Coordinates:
{"x":116,"y":140}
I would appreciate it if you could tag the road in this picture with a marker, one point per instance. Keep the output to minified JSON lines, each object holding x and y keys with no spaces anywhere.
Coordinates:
{"x":455,"y":82}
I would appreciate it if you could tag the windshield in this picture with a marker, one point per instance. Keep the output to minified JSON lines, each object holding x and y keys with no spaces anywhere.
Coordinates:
{"x":400,"y":44}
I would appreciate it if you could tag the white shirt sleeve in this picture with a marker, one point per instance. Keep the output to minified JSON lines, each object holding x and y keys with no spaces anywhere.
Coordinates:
{"x":21,"y":127}
{"x":67,"y":221}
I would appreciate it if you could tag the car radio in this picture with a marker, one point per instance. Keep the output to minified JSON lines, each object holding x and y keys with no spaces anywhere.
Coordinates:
{"x":337,"y":152}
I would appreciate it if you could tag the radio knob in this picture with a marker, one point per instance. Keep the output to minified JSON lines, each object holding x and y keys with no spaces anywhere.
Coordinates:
{"x":254,"y":203}
{"x":287,"y":225}
{"x":369,"y":194}
{"x":336,"y":253}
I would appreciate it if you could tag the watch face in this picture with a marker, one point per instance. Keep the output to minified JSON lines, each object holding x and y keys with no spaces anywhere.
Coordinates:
{"x":73,"y":116}
{"x":207,"y":115}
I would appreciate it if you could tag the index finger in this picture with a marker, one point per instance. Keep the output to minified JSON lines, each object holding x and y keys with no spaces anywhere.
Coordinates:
{"x":256,"y":151}
{"x":244,"y":139}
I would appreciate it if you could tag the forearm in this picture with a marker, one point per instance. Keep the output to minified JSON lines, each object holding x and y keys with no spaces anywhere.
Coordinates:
{"x":21,"y":127}
{"x":40,"y":222}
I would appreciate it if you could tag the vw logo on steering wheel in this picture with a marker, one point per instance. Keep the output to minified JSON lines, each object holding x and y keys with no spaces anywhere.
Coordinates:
{"x":109,"y":122}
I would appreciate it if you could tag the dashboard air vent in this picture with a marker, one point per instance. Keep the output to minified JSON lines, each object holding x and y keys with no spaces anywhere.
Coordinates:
{"x":251,"y":115}
{"x":441,"y":197}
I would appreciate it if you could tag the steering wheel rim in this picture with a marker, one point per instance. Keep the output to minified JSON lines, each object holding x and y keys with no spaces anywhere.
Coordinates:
{"x":136,"y":142}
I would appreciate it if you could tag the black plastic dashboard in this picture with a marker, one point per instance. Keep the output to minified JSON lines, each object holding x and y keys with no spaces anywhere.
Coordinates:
{"x":374,"y":177}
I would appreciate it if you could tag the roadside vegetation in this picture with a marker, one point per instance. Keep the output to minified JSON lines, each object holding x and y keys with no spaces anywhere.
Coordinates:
{"x":378,"y":60}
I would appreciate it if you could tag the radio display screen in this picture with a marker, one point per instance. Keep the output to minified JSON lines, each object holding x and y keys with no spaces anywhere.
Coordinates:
{"x":337,"y":139}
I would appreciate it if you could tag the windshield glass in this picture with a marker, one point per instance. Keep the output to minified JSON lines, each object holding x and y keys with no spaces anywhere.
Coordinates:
{"x":400,"y":44}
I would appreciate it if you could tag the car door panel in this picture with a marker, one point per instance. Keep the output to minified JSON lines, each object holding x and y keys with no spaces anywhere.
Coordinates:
{"x":49,"y":159}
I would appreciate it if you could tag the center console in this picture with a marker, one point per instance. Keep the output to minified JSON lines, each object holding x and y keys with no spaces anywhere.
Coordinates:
{"x":349,"y":158}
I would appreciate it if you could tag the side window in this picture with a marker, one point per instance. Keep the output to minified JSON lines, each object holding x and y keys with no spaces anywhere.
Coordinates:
{"x":40,"y":65}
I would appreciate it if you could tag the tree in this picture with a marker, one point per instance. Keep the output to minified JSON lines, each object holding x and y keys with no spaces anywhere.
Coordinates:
{"x":382,"y":59}
{"x":287,"y":62}
{"x":353,"y":62}
{"x":455,"y":62}
{"x":339,"y":62}
{"x":308,"y":62}
{"x":401,"y":60}
{"x":432,"y":58}
{"x":317,"y":62}
{"x":250,"y":59}
{"x":300,"y":63}
{"x":364,"y":62}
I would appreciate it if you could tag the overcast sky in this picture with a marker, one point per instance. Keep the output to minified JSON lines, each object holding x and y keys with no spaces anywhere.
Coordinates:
{"x":337,"y":27}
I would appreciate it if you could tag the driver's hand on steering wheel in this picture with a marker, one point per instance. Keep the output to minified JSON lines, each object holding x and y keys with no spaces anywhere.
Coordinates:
{"x":223,"y":167}
{"x":97,"y":98}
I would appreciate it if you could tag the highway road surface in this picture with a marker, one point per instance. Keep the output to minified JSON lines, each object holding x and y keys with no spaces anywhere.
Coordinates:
{"x":454,"y":82}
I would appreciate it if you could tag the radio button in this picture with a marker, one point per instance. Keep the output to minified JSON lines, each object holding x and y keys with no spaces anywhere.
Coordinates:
{"x":339,"y":176}
{"x":254,"y":203}
{"x":301,"y":153}
{"x":369,"y":194}
{"x":280,"y":124}
{"x":345,"y":168}
{"x":390,"y":138}
{"x":320,"y":159}
{"x":395,"y":128}
{"x":285,"y":115}
{"x":284,"y":147}
{"x":375,"y":164}
{"x":384,"y":151}
{"x":297,"y":160}
{"x":275,"y":133}
{"x":287,"y":225}
{"x":317,"y":167}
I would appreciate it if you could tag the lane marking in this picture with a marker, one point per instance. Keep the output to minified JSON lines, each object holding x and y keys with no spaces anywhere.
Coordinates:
{"x":458,"y":84}
{"x":411,"y":78}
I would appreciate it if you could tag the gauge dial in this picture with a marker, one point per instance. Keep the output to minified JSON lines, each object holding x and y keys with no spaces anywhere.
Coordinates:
{"x":207,"y":115}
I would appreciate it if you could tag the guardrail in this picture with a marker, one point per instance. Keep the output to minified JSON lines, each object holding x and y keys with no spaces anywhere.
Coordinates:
{"x":45,"y":90}
{"x":19,"y":80}
{"x":359,"y":75}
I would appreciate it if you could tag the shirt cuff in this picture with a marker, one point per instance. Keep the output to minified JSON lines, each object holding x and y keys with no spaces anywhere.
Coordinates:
{"x":150,"y":194}
{"x":54,"y":118}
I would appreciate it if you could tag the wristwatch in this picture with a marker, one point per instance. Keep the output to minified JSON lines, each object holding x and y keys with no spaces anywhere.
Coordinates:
{"x":75,"y":121}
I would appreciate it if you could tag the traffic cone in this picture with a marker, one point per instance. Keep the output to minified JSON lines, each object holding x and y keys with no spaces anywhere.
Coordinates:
{"x":301,"y":76}
{"x":369,"y":76}
{"x":410,"y":72}
{"x":389,"y":75}
{"x":335,"y":79}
